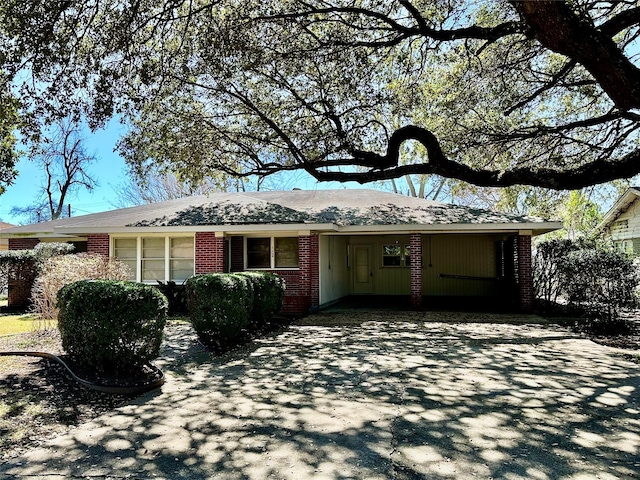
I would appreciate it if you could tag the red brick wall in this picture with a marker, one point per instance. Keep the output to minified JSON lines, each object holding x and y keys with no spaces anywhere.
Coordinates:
{"x":525,"y":273}
{"x":98,"y":243}
{"x":209,"y":253}
{"x":302,"y":292}
{"x":415,"y":275}
{"x":22,"y":243}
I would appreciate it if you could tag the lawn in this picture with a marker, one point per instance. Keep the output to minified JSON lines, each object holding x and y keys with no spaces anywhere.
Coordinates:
{"x":11,"y":324}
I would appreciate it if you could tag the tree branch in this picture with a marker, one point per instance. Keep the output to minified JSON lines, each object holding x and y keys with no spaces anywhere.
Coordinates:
{"x":385,"y":167}
{"x":558,"y":28}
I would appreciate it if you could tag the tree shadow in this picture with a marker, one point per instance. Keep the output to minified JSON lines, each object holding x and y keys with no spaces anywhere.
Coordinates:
{"x":373,"y":399}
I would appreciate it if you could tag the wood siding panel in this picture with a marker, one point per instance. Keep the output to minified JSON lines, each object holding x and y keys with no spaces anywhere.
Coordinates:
{"x":632,"y":230}
{"x":386,"y":280}
{"x":462,"y":256}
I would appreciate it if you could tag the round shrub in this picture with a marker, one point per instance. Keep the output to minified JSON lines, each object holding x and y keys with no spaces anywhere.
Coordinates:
{"x":268,"y":295}
{"x":111,"y":326}
{"x":219,"y":307}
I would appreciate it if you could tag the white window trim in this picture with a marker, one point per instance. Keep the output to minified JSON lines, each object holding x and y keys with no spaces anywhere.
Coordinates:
{"x":272,"y":253}
{"x":167,"y":253}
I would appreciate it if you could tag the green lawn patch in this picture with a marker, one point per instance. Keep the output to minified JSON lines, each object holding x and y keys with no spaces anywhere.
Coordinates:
{"x":11,"y":324}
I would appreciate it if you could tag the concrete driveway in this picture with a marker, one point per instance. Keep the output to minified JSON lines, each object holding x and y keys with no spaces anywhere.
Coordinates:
{"x":371,"y":395}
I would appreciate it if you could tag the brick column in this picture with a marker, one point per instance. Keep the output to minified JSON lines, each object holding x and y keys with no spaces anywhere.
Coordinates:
{"x":525,"y":273}
{"x":98,"y":243}
{"x":415,"y":275}
{"x":209,"y":253}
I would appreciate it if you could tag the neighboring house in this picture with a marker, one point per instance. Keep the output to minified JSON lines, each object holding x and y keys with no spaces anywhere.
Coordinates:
{"x":621,"y":224}
{"x":327,"y":244}
{"x":4,"y":243}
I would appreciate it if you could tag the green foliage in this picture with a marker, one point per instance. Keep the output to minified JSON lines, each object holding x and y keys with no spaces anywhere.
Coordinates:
{"x":591,"y":277}
{"x":220,"y":307}
{"x":547,"y":268}
{"x":268,"y":297}
{"x":603,"y":282}
{"x":24,"y":265}
{"x":260,"y":86}
{"x":9,"y":121}
{"x":111,"y":326}
{"x":46,"y":250}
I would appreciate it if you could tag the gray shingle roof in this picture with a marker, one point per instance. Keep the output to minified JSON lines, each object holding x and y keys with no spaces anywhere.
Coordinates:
{"x":354,"y":207}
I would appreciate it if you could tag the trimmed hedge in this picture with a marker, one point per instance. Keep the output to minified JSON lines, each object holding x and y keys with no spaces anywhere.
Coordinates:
{"x":268,"y":296}
{"x":220,"y":307}
{"x":111,"y":326}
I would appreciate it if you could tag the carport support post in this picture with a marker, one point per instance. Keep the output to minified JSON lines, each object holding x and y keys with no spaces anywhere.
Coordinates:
{"x":525,"y":271}
{"x":415,"y":251}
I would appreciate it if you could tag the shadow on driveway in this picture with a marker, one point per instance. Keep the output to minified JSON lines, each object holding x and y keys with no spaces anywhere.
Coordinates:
{"x":367,"y":397}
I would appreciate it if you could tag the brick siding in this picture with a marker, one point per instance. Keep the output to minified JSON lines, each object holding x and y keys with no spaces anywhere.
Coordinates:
{"x":415,"y":275}
{"x":302,"y":293}
{"x":525,"y":273}
{"x":210,"y":251}
{"x":23,"y":243}
{"x":98,"y":243}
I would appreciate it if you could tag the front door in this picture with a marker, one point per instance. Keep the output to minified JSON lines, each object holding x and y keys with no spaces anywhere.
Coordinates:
{"x":362,"y":273}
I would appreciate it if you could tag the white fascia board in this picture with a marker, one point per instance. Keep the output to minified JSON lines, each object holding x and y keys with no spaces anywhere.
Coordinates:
{"x":38,"y":235}
{"x":536,"y":228}
{"x":262,"y":228}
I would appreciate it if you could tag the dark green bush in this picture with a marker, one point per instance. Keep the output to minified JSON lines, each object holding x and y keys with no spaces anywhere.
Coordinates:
{"x":603,"y":283}
{"x":219,"y":307}
{"x":176,"y":295}
{"x":268,"y":296}
{"x":547,"y":268}
{"x":111,"y":326}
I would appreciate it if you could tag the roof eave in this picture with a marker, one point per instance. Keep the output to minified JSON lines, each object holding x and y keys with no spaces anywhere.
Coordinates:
{"x":537,"y":228}
{"x":619,"y":207}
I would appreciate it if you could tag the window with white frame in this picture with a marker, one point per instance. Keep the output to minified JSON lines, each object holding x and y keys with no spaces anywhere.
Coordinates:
{"x":126,"y":250}
{"x":181,"y":263}
{"x":395,"y":255}
{"x":154,"y":259}
{"x":272,"y":252}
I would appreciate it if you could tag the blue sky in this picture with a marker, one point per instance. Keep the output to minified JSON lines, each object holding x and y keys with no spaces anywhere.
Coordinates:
{"x":110,"y":171}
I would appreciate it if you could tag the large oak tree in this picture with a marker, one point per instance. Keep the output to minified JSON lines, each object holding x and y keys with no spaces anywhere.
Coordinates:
{"x":495,"y":93}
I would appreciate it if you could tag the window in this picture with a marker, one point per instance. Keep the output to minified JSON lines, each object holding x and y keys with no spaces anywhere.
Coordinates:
{"x":258,"y":252}
{"x":391,"y":255}
{"x":395,"y":255}
{"x":272,"y":252}
{"x":153,"y":259}
{"x":286,"y":252}
{"x":181,"y":265}
{"x":126,"y":250}
{"x":624,"y":246}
